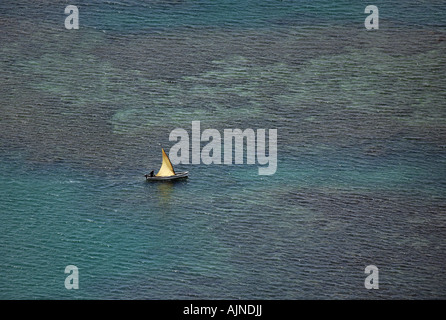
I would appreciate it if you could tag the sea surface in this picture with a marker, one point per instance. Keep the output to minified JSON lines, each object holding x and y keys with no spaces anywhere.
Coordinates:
{"x":361,"y":146}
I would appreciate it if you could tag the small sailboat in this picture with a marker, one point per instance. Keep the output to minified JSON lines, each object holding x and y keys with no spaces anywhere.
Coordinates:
{"x":166,"y":171}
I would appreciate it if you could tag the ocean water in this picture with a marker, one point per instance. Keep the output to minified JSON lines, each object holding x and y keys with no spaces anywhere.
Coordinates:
{"x":361,"y":127}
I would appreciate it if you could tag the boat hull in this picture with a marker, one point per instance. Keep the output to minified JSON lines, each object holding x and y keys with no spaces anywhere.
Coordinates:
{"x":179,"y":175}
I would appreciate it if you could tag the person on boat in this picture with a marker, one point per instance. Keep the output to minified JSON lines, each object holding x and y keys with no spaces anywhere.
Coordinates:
{"x":150,"y":175}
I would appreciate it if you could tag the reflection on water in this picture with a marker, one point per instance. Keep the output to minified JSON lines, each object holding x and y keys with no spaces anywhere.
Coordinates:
{"x":164,"y":191}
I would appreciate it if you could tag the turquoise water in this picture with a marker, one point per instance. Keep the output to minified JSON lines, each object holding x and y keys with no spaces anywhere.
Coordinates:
{"x":360,"y":117}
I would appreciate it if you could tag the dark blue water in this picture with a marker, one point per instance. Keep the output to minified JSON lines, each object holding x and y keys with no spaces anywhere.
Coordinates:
{"x":360,"y":118}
